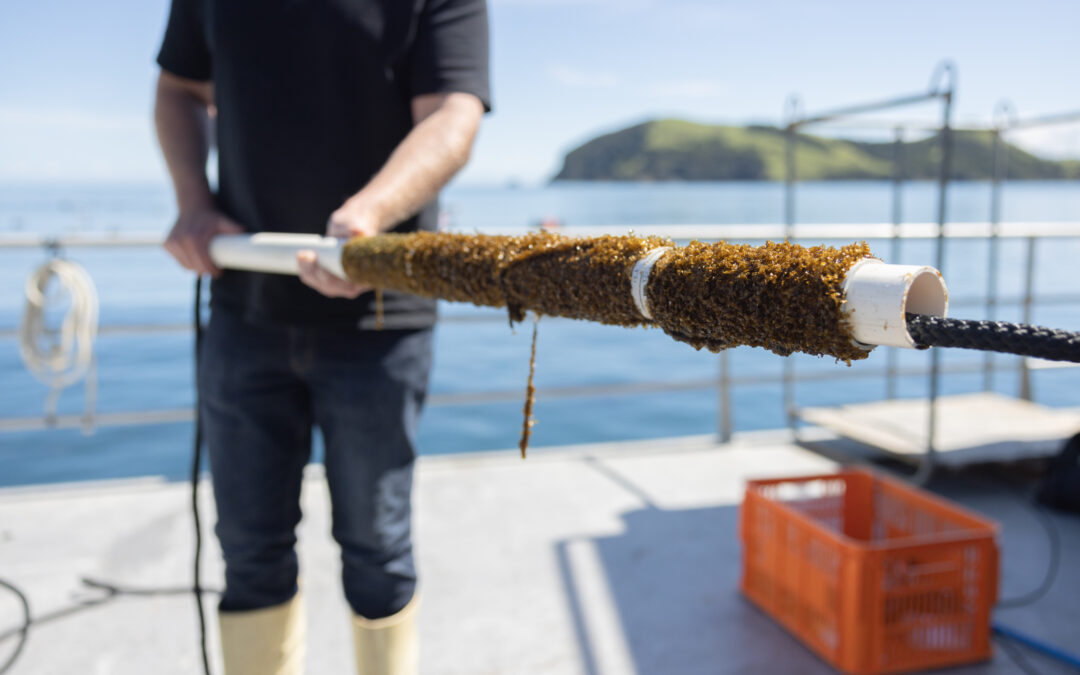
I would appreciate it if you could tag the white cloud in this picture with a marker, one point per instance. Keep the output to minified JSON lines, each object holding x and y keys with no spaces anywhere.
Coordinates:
{"x":569,"y":76}
{"x":689,"y":88}
{"x":1052,"y":142}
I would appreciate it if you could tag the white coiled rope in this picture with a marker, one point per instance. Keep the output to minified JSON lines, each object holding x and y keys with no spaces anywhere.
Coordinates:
{"x":61,"y":356}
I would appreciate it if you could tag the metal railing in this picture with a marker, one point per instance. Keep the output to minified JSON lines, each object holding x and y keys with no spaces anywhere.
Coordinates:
{"x":942,"y":89}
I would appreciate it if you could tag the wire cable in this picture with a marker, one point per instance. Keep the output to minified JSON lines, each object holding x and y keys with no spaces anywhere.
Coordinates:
{"x":994,"y":336}
{"x":61,"y":356}
{"x":1053,"y":537}
{"x":111,"y":592}
{"x":196,"y":461}
{"x":1052,"y":568}
{"x":23,"y":631}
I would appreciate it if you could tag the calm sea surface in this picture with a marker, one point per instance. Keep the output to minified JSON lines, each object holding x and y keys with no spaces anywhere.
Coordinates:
{"x":146,"y":372}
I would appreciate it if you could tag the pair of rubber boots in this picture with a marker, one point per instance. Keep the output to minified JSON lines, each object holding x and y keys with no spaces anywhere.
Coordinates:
{"x":271,"y":641}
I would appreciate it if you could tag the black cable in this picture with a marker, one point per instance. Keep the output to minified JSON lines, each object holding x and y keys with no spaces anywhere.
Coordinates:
{"x":115,"y":590}
{"x":196,"y":461}
{"x":35,"y":621}
{"x":23,"y":631}
{"x":1053,"y":536}
{"x":994,"y":336}
{"x":112,"y":592}
{"x":1053,"y":566}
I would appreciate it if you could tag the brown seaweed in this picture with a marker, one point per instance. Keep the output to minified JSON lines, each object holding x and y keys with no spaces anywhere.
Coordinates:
{"x":779,"y":296}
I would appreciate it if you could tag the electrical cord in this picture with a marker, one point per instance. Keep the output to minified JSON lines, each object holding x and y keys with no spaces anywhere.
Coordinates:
{"x":1052,"y":569}
{"x":196,"y":461}
{"x":111,"y":592}
{"x":23,"y":631}
{"x":1053,"y":537}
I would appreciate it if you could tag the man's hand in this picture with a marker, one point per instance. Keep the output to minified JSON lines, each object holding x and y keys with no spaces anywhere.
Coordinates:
{"x":189,"y":240}
{"x":351,"y":220}
{"x":444,"y":126}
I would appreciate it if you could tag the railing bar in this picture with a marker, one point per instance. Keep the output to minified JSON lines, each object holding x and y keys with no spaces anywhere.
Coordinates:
{"x":175,"y":415}
{"x":573,"y":391}
{"x":119,"y":419}
{"x":897,"y":102}
{"x":1048,"y":299}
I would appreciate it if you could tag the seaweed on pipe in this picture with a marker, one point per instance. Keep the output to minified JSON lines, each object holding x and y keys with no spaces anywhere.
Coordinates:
{"x":780,"y":296}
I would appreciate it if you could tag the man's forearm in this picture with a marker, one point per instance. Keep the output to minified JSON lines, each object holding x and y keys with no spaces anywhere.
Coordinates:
{"x":436,"y":148}
{"x":182,"y":120}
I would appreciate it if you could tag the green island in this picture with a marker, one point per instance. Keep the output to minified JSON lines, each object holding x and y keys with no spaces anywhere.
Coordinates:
{"x":678,"y":150}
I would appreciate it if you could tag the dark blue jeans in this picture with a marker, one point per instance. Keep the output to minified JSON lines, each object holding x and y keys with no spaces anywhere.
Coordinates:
{"x":262,"y":389}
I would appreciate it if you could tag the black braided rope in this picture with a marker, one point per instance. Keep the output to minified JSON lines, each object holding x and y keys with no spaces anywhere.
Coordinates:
{"x":994,"y":336}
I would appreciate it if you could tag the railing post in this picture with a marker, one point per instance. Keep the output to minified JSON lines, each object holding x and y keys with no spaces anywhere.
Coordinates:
{"x":790,"y":140}
{"x":891,"y":355}
{"x":1029,"y":302}
{"x":1001,"y":115}
{"x":926,"y":467}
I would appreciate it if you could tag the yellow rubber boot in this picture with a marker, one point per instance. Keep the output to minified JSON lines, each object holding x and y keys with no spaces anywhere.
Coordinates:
{"x":387,"y":646}
{"x":267,"y":641}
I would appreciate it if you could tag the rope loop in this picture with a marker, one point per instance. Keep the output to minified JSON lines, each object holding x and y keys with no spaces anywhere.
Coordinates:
{"x":60,"y":356}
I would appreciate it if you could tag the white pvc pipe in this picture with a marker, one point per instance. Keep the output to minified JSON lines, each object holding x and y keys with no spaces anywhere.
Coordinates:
{"x":877,"y":296}
{"x":275,"y":252}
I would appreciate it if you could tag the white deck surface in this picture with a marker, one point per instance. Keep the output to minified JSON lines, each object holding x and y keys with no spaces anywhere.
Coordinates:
{"x":983,"y":427}
{"x":612,"y":559}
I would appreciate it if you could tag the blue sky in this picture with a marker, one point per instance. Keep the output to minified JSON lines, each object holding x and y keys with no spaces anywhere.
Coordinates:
{"x":76,"y":77}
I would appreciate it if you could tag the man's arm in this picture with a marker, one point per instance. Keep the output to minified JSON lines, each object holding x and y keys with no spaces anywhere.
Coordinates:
{"x":438,"y":146}
{"x":182,"y":117}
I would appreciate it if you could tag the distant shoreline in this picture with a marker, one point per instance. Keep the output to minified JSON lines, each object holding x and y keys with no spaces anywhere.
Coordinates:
{"x":678,"y":150}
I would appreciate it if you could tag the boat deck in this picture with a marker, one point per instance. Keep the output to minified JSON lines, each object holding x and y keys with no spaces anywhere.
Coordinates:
{"x":971,"y":428}
{"x":606,"y":559}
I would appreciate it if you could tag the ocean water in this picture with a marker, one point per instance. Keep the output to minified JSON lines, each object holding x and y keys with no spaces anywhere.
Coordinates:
{"x":146,"y":372}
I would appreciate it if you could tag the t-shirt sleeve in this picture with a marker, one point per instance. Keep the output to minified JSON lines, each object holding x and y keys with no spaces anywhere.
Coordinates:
{"x":184,"y":51}
{"x":451,"y":50}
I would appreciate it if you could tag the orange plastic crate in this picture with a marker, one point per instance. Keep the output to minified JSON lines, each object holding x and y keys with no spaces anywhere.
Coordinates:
{"x":872,"y":574}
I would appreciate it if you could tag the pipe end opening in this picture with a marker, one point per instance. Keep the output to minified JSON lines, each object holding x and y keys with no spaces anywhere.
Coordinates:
{"x":927,"y":294}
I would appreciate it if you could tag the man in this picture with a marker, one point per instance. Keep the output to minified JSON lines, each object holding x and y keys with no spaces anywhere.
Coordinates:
{"x":337,"y":116}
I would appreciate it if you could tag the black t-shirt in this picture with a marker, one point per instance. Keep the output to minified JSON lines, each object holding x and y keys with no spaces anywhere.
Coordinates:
{"x":312,"y":97}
